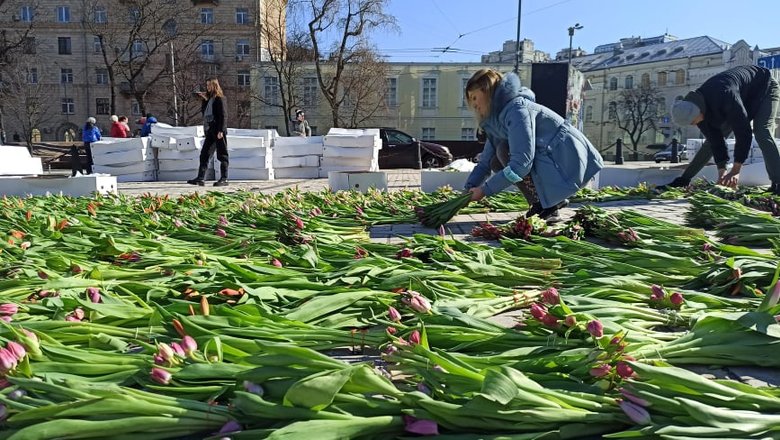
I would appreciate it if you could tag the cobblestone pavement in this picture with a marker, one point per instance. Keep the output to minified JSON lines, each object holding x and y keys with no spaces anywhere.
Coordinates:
{"x":460,"y":226}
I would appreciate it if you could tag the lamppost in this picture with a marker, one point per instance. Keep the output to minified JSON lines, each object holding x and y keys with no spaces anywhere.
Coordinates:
{"x":576,"y":27}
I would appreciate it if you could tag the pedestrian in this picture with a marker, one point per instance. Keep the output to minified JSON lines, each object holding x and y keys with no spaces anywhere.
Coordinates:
{"x":728,"y":102}
{"x":90,"y":134}
{"x":149,"y":121}
{"x":214,"y":109}
{"x":528,"y":145}
{"x":118,"y":130}
{"x":300,"y":126}
{"x":126,"y":125}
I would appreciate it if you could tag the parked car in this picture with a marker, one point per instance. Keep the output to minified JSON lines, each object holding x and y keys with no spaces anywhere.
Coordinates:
{"x":399,"y":150}
{"x":667,"y":154}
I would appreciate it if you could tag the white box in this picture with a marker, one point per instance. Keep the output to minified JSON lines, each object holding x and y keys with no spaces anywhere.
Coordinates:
{"x":147,"y":176}
{"x":116,"y":145}
{"x":178,"y":164}
{"x":348,"y":162}
{"x":326,"y":170}
{"x":358,"y":181}
{"x":182,"y":175}
{"x":267,"y":134}
{"x":352,"y":141}
{"x":164,"y":154}
{"x":249,"y":152}
{"x":251,"y":162}
{"x":177,"y":132}
{"x":241,"y":142}
{"x":354,"y":131}
{"x":296,"y":162}
{"x":297,"y":140}
{"x":69,"y":186}
{"x":247,"y":174}
{"x":162,"y":142}
{"x":121,"y":157}
{"x":297,"y":149}
{"x":189,"y":143}
{"x":369,"y":152}
{"x":297,"y":173}
{"x":17,"y":161}
{"x":138,"y":167}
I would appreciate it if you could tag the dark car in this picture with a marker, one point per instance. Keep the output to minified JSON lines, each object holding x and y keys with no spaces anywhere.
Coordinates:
{"x":399,"y":150}
{"x":667,"y":154}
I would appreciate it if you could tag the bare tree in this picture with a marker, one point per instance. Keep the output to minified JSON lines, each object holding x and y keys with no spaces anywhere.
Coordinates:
{"x":136,"y":49}
{"x":365,"y":89}
{"x":350,"y":22}
{"x":26,"y":101}
{"x":636,"y":112}
{"x":15,"y":41}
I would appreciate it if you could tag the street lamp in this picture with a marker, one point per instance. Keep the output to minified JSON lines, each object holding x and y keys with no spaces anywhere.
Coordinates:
{"x":576,"y":27}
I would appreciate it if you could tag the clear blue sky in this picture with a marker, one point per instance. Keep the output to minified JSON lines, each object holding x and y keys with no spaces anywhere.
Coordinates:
{"x":486,"y":24}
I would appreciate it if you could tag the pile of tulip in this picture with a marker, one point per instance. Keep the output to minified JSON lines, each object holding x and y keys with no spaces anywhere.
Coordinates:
{"x":254,"y":316}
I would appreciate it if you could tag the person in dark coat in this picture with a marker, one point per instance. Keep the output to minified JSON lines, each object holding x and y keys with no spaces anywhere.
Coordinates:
{"x":728,"y":102}
{"x":214,"y":109}
{"x":528,"y":145}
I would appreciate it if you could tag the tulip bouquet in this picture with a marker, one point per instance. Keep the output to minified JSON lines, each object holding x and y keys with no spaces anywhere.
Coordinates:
{"x":437,"y":214}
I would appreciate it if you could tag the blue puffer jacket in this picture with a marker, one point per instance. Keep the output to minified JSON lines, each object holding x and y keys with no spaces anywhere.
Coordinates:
{"x":146,"y":130}
{"x":558,"y":157}
{"x":90,"y":133}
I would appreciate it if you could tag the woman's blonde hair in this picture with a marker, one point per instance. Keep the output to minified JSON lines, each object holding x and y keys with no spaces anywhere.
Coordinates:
{"x":484,"y":80}
{"x":217,"y":89}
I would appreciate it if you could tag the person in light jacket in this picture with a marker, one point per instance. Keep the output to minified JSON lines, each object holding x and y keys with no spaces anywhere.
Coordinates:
{"x":535,"y":147}
{"x":214,"y":109}
{"x":90,"y":134}
{"x":300,"y":126}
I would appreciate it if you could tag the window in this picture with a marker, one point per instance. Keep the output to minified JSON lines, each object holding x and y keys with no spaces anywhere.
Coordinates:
{"x":66,"y":76}
{"x":243,"y":78}
{"x":68,"y":107}
{"x":242,"y":49}
{"x":589,"y":113}
{"x":207,"y":15}
{"x":207,"y":49}
{"x":613,"y":83}
{"x":428,"y":133}
{"x":102,"y":106}
{"x":242,"y":16}
{"x":645,"y":80}
{"x":134,"y":14}
{"x":28,"y":46}
{"x":467,"y":134}
{"x":612,"y":110}
{"x":661,"y":79}
{"x":397,"y":138}
{"x":135,"y":109}
{"x":661,"y":106}
{"x":138,"y":47}
{"x":26,"y":14}
{"x":310,"y":88}
{"x":463,"y":98}
{"x":101,"y":76}
{"x":271,"y":90}
{"x":629,"y":82}
{"x":391,"y":94}
{"x":100,"y":15}
{"x":679,"y":77}
{"x":96,"y":45}
{"x":32,"y":75}
{"x":63,"y":45}
{"x":63,"y":14}
{"x":429,"y":92}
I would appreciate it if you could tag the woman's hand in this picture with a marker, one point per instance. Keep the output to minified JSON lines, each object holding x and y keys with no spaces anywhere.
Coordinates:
{"x":477,"y":194}
{"x":220,"y":135}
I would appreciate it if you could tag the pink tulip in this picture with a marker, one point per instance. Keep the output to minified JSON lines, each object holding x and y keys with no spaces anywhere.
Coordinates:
{"x":636,"y":413}
{"x":538,"y":311}
{"x":393,"y":313}
{"x":416,"y":302}
{"x":78,"y":313}
{"x":158,"y":360}
{"x":189,"y":345}
{"x":72,"y":318}
{"x":600,"y":370}
{"x":8,"y":360}
{"x":550,"y":320}
{"x":251,"y":387}
{"x":442,"y":232}
{"x":414,"y":338}
{"x":219,"y":232}
{"x":230,"y":426}
{"x":391,"y":330}
{"x":276,"y":263}
{"x":420,"y":426}
{"x":223,"y":221}
{"x":676,"y":299}
{"x":658,"y":293}
{"x":570,"y":321}
{"x":8,"y":309}
{"x":634,"y":398}
{"x":299,"y":223}
{"x":775,"y":297}
{"x":624,"y":370}
{"x":33,"y":337}
{"x":26,"y":245}
{"x":93,"y":293}
{"x":551,"y":297}
{"x":166,"y":352}
{"x":17,"y":349}
{"x":163,"y":377}
{"x":596,"y":328}
{"x":177,"y":223}
{"x":177,"y":349}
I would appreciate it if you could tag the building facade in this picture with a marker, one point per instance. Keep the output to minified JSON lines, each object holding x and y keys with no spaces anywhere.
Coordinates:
{"x":508,"y":53}
{"x":77,"y":49}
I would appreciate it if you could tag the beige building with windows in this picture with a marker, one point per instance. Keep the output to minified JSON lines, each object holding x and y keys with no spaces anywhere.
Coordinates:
{"x":672,"y":66}
{"x":223,"y":39}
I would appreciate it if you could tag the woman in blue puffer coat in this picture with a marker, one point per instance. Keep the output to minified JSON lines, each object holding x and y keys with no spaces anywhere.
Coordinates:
{"x":90,"y":134}
{"x":534,"y":147}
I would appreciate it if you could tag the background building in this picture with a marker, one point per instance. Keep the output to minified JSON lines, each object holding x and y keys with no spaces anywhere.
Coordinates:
{"x":508,"y":53}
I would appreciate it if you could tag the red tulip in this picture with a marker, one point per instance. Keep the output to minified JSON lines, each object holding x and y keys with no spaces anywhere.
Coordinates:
{"x":414,"y":338}
{"x":676,"y":299}
{"x":624,"y":370}
{"x":551,"y":297}
{"x":570,"y":321}
{"x":538,"y":311}
{"x":596,"y":328}
{"x":600,"y":370}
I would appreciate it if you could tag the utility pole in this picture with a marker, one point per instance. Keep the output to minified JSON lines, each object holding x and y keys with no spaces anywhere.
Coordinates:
{"x":576,"y":27}
{"x":173,"y":80}
{"x":517,"y":38}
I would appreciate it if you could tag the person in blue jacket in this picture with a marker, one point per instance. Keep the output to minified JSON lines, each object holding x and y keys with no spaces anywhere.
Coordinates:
{"x":146,"y":130}
{"x":536,"y":148}
{"x":90,"y":134}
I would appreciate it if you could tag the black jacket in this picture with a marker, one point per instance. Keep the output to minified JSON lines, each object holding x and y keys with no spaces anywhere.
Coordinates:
{"x":731,"y":98}
{"x":218,"y":109}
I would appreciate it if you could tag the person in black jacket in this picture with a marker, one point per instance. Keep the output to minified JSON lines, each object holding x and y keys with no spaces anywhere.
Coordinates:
{"x":727,"y":103}
{"x":214,"y":109}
